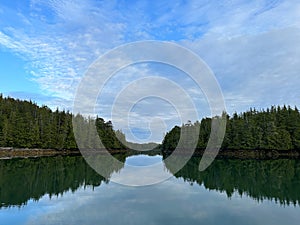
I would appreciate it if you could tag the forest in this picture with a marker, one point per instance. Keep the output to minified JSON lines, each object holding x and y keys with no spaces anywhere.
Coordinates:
{"x":24,"y":124}
{"x":276,"y":128}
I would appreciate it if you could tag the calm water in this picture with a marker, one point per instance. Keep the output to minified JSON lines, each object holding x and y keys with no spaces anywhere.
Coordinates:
{"x":65,"y":190}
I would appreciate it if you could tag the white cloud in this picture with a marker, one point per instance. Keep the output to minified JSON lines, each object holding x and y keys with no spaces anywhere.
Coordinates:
{"x":252,"y":47}
{"x":237,"y":18}
{"x":137,"y":97}
{"x":59,"y":54}
{"x":255,"y":71}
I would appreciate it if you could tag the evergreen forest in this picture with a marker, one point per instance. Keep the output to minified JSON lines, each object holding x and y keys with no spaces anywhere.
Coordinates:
{"x":276,"y":128}
{"x":24,"y":124}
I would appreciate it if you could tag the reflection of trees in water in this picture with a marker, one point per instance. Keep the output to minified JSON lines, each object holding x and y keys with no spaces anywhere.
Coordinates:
{"x":277,"y":180}
{"x":31,"y":178}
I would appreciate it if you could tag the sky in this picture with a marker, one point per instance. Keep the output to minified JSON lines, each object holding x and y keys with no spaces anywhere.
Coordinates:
{"x":252,"y":48}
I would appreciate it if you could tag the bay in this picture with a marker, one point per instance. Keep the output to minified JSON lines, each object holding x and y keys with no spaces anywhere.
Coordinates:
{"x":65,"y":190}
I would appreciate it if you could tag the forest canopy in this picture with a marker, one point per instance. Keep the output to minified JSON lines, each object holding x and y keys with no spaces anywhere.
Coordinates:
{"x":276,"y":128}
{"x":24,"y":124}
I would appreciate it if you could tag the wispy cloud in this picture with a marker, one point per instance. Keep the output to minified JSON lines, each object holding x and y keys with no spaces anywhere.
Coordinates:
{"x":255,"y":71}
{"x":60,"y":48}
{"x":252,"y":47}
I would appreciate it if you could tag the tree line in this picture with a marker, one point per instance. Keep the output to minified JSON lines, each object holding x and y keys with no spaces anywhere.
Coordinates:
{"x":24,"y":124}
{"x":276,"y":128}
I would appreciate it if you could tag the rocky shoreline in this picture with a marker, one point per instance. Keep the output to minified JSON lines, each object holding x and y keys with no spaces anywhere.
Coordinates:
{"x":8,"y":153}
{"x":246,"y":154}
{"x":259,"y":154}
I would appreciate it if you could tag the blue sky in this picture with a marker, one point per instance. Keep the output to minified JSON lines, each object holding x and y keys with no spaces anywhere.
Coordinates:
{"x":252,"y":47}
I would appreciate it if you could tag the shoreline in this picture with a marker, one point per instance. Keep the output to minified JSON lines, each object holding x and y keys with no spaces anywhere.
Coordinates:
{"x":9,"y":153}
{"x":259,"y":154}
{"x":246,"y":154}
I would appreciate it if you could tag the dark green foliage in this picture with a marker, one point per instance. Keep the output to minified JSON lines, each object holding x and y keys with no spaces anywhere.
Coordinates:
{"x":108,"y":136}
{"x":171,"y":139}
{"x":32,"y":178}
{"x":277,"y":128}
{"x":277,"y":180}
{"x":24,"y":124}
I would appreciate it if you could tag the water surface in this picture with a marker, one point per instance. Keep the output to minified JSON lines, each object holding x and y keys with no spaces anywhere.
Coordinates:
{"x":65,"y":190}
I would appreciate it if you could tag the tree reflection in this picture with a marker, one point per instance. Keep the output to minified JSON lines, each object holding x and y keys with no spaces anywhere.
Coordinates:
{"x":277,"y":180}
